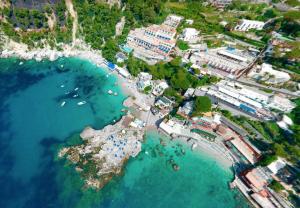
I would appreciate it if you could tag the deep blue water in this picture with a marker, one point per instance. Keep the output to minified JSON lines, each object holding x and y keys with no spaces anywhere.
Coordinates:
{"x":34,"y":125}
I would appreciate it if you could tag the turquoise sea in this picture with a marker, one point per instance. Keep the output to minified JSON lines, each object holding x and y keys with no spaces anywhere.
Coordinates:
{"x":34,"y":124}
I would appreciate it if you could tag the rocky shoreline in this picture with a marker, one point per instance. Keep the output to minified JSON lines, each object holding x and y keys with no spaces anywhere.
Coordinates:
{"x":80,"y":50}
{"x":103,"y":153}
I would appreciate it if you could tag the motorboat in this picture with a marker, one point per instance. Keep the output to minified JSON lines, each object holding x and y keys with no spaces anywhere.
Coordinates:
{"x":76,"y":89}
{"x":62,"y":104}
{"x":110,"y":92}
{"x":81,"y":103}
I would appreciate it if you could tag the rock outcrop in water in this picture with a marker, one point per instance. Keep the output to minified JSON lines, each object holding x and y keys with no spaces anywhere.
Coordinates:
{"x":103,"y":153}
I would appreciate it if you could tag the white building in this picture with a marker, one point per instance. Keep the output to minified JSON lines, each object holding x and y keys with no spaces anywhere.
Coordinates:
{"x":124,"y":73}
{"x":154,"y":43}
{"x":281,"y":103}
{"x":277,"y":165}
{"x":164,"y":103}
{"x":160,"y":88}
{"x":247,"y":99}
{"x":246,"y":25}
{"x":186,"y":110}
{"x":228,"y":60}
{"x":266,"y":73}
{"x":190,"y":35}
{"x":144,"y":80}
{"x":221,"y":4}
{"x":189,"y":92}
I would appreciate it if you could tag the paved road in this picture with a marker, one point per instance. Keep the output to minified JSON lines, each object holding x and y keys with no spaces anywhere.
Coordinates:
{"x":254,"y":84}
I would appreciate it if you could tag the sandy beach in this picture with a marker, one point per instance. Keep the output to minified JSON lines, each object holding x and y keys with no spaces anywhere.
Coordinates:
{"x":216,"y":150}
{"x":213,"y":150}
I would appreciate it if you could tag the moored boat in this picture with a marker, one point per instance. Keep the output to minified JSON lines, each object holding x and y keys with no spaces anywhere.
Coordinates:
{"x":63,"y":103}
{"x":81,"y":103}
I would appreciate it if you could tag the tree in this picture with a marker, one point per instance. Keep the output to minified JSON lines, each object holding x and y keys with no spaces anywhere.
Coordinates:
{"x":270,"y":13}
{"x":267,"y":160}
{"x":171,"y":93}
{"x":276,"y":186}
{"x":180,"y":80}
{"x":133,"y":66}
{"x":182,"y":45}
{"x":202,"y":104}
{"x":110,"y":49}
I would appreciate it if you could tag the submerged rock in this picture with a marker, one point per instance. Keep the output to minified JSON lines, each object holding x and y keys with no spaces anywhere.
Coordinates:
{"x":175,"y":167}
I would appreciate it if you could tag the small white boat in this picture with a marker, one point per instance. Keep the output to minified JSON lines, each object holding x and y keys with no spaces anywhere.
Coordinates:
{"x":62,"y":86}
{"x":62,"y":104}
{"x":66,"y":93}
{"x":107,"y":75}
{"x":74,"y":96}
{"x":81,"y":103}
{"x":110,"y":92}
{"x":21,"y":63}
{"x":76,"y":89}
{"x":115,"y":94}
{"x":62,"y":66}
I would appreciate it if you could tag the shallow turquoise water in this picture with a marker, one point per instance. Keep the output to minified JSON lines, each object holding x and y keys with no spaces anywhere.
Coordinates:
{"x":150,"y":180}
{"x":33,"y":125}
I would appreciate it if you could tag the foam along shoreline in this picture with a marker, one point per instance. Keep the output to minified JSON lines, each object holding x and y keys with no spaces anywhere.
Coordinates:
{"x":82,"y":50}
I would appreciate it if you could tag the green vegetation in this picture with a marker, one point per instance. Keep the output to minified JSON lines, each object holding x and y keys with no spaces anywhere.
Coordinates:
{"x":206,"y":18}
{"x":293,"y":3}
{"x":202,"y":104}
{"x":267,"y":90}
{"x":182,"y":45}
{"x":171,"y":93}
{"x":256,"y":43}
{"x":147,"y":89}
{"x":283,"y":62}
{"x":30,"y":26}
{"x":173,"y":72}
{"x":98,"y":22}
{"x":267,"y":160}
{"x":276,"y":186}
